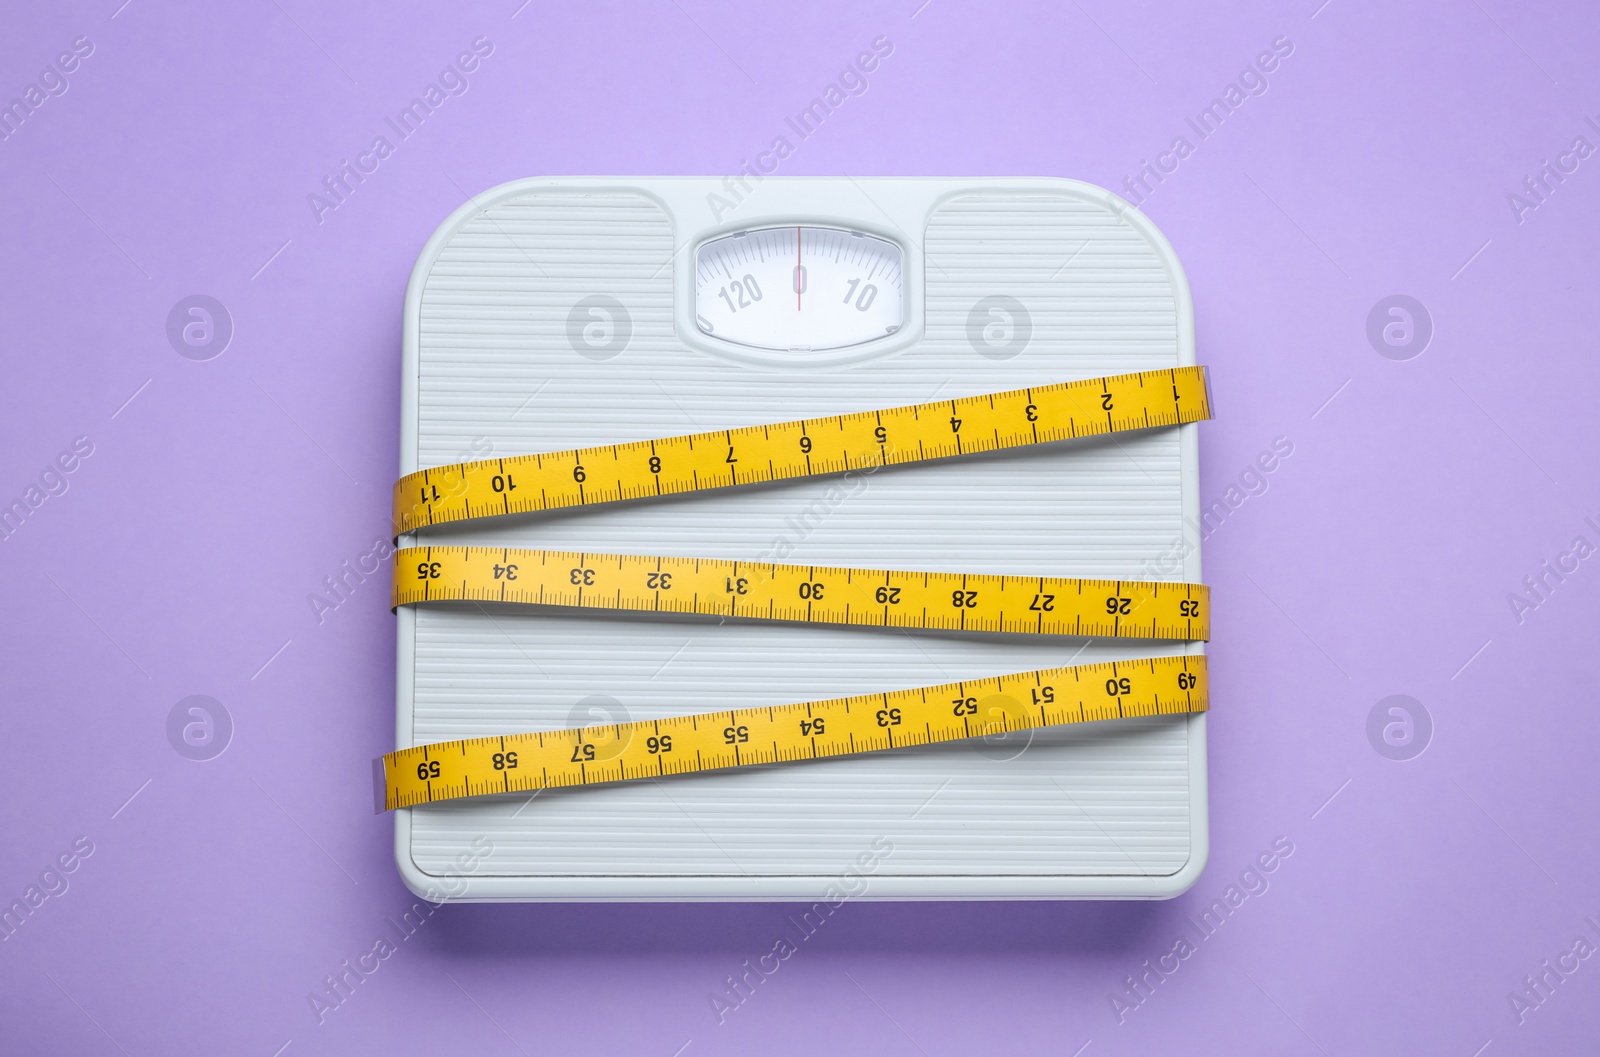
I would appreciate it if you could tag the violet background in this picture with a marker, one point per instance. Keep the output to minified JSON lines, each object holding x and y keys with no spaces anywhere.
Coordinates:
{"x":1420,"y":493}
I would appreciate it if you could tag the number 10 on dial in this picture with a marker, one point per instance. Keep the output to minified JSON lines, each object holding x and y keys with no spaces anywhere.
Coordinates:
{"x":799,"y":288}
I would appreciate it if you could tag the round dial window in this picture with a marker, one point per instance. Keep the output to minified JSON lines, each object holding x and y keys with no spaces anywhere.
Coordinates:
{"x":800,"y":288}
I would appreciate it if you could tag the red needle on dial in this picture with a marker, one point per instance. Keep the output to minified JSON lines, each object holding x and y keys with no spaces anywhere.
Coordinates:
{"x":799,"y":273}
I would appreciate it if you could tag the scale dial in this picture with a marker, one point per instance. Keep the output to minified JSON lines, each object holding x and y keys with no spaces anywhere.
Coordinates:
{"x":799,"y":288}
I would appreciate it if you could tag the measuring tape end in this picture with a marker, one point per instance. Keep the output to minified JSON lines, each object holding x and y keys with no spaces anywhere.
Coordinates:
{"x":380,"y":800}
{"x":1205,"y":380}
{"x":398,"y":520}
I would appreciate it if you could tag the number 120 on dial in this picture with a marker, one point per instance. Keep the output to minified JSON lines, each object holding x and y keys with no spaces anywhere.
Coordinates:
{"x":799,"y":288}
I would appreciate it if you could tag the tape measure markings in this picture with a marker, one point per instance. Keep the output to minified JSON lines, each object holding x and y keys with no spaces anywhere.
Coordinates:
{"x":808,"y":730}
{"x":1037,"y":605}
{"x":801,"y":448}
{"x":588,"y":756}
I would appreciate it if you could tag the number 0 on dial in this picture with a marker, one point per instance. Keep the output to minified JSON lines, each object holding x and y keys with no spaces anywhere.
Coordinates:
{"x":799,"y":288}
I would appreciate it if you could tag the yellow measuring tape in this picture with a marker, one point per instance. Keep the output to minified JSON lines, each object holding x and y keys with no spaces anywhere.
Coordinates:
{"x":758,"y":454}
{"x":815,"y":594}
{"x":812,"y":594}
{"x":744,"y":737}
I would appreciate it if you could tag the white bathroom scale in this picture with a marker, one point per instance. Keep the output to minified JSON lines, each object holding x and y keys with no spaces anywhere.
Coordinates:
{"x":556,"y":313}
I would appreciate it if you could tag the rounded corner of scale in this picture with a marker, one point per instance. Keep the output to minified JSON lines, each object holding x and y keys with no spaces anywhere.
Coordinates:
{"x":1176,"y":884}
{"x":418,"y":881}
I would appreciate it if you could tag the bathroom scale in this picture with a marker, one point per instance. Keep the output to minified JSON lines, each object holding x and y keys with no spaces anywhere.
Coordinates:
{"x":556,"y":313}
